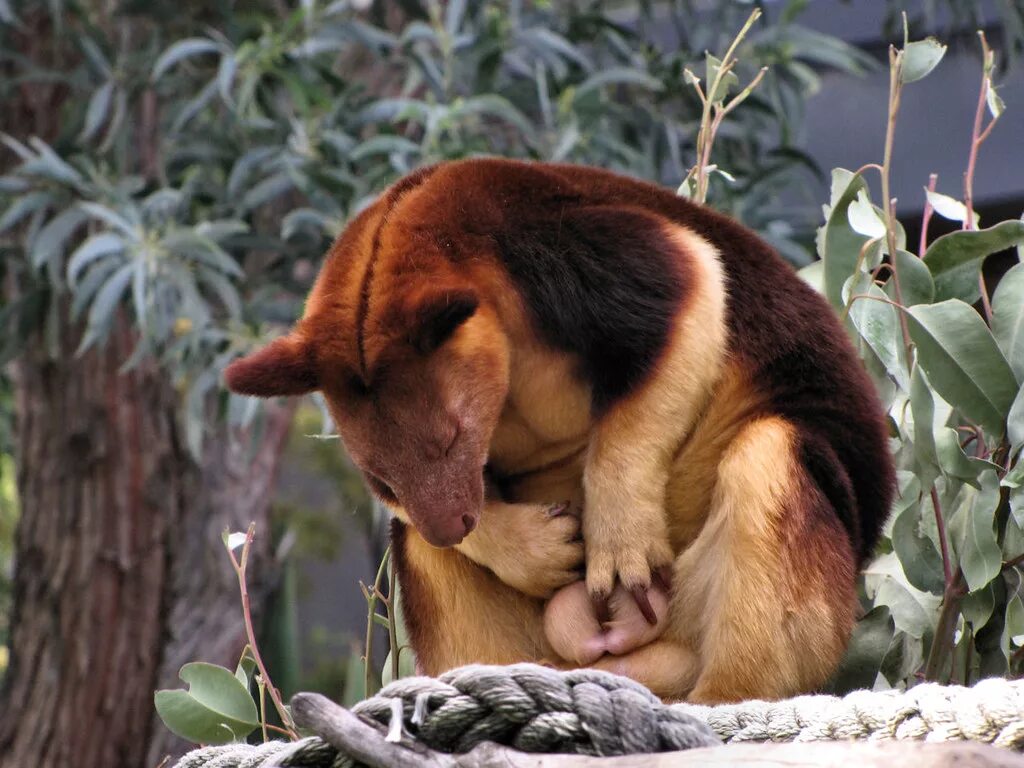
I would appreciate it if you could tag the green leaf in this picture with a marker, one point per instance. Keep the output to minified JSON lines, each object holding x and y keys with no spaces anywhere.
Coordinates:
{"x":717,"y":91}
{"x":838,"y":244}
{"x":996,"y":105}
{"x":50,"y":164}
{"x":1013,"y":622}
{"x":23,"y":206}
{"x":49,"y":243}
{"x":1008,"y":319}
{"x":972,"y":531}
{"x":96,"y":112}
{"x":384,"y":144}
{"x":813,"y":274}
{"x":913,"y":611}
{"x":1015,"y":422}
{"x":955,"y":259}
{"x":618,"y":76}
{"x":978,"y":607}
{"x":246,"y":666}
{"x":916,"y":282}
{"x":878,"y":323}
{"x":963,"y":363}
{"x":947,"y":207}
{"x":864,"y":655}
{"x":101,"y":313}
{"x":95,"y":247}
{"x":922,"y":407}
{"x":111,"y":218}
{"x":216,"y":709}
{"x":921,"y":561}
{"x":920,"y":58}
{"x":864,"y":219}
{"x":183,"y":49}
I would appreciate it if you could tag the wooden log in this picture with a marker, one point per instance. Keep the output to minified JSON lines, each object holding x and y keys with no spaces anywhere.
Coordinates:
{"x":822,"y":754}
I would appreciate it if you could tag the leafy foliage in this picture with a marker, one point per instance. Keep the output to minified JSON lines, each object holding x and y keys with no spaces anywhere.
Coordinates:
{"x":943,"y":597}
{"x":194,"y":183}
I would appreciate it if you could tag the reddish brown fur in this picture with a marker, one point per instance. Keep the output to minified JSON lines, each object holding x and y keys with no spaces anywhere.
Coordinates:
{"x":425,"y":310}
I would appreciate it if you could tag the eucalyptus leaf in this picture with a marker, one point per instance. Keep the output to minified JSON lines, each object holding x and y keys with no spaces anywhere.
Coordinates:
{"x":878,"y":323}
{"x":181,"y":50}
{"x":913,"y":610}
{"x":216,"y":709}
{"x":619,"y":76}
{"x":921,"y":561}
{"x":96,"y":112}
{"x":862,"y":662}
{"x":947,"y":207}
{"x":963,"y":362}
{"x":916,"y":284}
{"x":864,"y":219}
{"x":955,"y":259}
{"x":972,"y":532}
{"x":96,"y":247}
{"x":717,"y":91}
{"x":24,"y":206}
{"x":1008,"y":319}
{"x":52,"y":239}
{"x":920,"y":58}
{"x":839,"y":244}
{"x":1015,"y":423}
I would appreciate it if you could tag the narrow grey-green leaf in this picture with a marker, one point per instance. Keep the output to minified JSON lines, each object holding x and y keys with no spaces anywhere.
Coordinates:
{"x":112,"y":218}
{"x":24,"y":205}
{"x":920,"y":58}
{"x":94,"y":248}
{"x":1008,"y":319}
{"x":51,"y":239}
{"x":96,"y":112}
{"x":619,"y":76}
{"x":963,"y":362}
{"x":955,"y":259}
{"x":101,"y":313}
{"x":183,"y":49}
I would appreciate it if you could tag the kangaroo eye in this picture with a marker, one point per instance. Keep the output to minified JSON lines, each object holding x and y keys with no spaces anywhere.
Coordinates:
{"x":382,"y":489}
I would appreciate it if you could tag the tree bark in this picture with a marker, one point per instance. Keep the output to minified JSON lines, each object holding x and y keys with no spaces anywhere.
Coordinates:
{"x":120,"y":574}
{"x":102,"y":478}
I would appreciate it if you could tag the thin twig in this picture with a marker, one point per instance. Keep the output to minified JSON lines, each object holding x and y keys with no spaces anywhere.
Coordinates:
{"x":240,"y":566}
{"x":940,"y":523}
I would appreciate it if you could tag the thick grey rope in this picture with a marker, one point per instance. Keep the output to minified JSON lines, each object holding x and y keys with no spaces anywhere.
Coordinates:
{"x":536,"y":709}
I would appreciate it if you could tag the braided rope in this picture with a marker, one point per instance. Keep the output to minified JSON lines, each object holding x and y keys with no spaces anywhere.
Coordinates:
{"x":536,"y":709}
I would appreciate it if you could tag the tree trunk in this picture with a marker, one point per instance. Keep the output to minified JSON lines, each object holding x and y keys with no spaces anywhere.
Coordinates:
{"x":102,"y":479}
{"x":120,"y":573}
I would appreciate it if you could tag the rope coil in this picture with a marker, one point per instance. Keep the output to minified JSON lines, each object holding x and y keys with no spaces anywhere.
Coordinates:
{"x":589,"y":712}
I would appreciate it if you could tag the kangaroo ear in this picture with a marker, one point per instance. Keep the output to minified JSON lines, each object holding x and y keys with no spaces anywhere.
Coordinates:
{"x":283,"y":367}
{"x":437,"y":316}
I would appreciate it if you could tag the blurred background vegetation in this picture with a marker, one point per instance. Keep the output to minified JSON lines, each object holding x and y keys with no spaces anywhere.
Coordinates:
{"x":172,"y":174}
